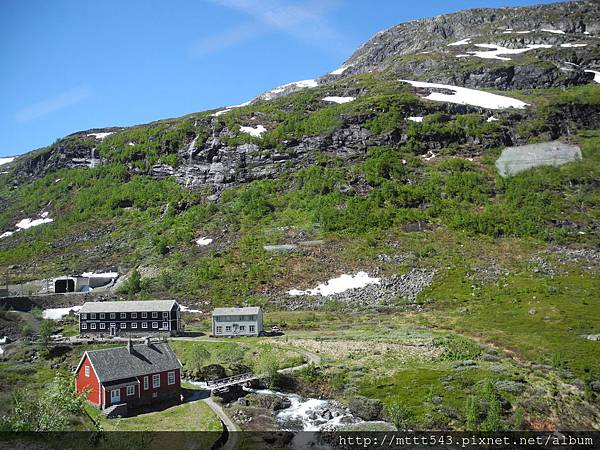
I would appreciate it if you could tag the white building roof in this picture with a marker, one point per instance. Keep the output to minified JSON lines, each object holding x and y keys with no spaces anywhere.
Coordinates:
{"x":236,"y":311}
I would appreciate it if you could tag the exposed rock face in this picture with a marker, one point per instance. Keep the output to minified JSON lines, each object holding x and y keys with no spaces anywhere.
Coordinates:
{"x":517,"y":159}
{"x":436,"y":33}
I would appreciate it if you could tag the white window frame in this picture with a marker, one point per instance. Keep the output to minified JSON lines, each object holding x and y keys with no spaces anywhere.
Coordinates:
{"x":84,"y":316}
{"x":131,"y":391}
{"x":92,"y":326}
{"x":155,"y":381}
{"x":87,"y":371}
{"x":171,"y":377}
{"x":102,"y":315}
{"x":251,"y":328}
{"x":102,"y":326}
{"x":155,"y":314}
{"x":113,"y":316}
{"x":144,"y":315}
{"x":123,"y":324}
{"x":134,"y":315}
{"x":144,"y":324}
{"x":123,"y":316}
{"x":146,"y":383}
{"x":219,"y":329}
{"x":92,"y":316}
{"x":165,"y":325}
{"x":134,"y":325}
{"x":228,"y":328}
{"x":165,"y":315}
{"x":84,"y":326}
{"x":155,"y":325}
{"x":242,"y":327}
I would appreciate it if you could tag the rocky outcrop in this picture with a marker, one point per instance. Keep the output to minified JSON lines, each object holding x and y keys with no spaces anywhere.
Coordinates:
{"x":434,"y":34}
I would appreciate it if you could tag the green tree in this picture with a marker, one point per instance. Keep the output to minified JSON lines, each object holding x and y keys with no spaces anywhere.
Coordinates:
{"x":493,"y":420}
{"x":133,"y":284}
{"x":472,"y":413}
{"x":399,"y":414}
{"x":48,"y":410}
{"x":231,"y":355}
{"x":46,"y":331}
{"x":199,"y":357}
{"x":266,"y":368}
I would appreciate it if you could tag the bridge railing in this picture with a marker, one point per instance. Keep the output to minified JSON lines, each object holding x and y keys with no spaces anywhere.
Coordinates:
{"x":231,"y":380}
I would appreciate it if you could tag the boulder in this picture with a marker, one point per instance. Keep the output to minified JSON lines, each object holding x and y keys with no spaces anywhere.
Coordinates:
{"x":366,"y":408}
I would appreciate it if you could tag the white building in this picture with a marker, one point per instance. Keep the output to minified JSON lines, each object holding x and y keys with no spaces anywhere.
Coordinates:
{"x":230,"y":322}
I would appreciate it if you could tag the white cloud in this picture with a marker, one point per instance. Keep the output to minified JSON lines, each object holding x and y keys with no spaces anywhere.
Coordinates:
{"x":53,"y":104}
{"x":303,"y":21}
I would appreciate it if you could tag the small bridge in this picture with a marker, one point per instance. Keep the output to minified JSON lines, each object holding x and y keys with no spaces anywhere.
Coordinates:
{"x":230,"y":381}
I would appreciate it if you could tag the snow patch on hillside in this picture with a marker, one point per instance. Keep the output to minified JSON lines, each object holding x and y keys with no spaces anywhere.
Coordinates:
{"x":229,"y":108}
{"x":300,"y":84}
{"x":334,"y":99}
{"x":339,"y":70}
{"x":25,"y":224}
{"x":495,"y":51}
{"x":203,"y":241}
{"x":548,"y":30}
{"x":101,"y":136}
{"x":570,"y":45}
{"x":58,"y":313}
{"x":417,"y":119}
{"x":6,"y":160}
{"x":340,"y":284}
{"x":461,"y":42}
{"x":465,"y":96}
{"x":254,"y":131}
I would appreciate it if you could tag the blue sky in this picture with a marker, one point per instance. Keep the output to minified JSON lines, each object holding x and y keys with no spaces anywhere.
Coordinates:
{"x":70,"y":65}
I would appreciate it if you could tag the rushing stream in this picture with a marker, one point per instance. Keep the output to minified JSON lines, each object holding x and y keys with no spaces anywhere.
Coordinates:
{"x":310,"y":414}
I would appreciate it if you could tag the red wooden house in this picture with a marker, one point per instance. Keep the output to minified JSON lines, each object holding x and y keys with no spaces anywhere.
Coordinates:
{"x":135,"y":375}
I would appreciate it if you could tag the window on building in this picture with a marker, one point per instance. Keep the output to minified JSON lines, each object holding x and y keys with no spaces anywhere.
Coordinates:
{"x":165,"y":325}
{"x":144,"y":315}
{"x":134,"y":315}
{"x":92,"y":315}
{"x":156,"y":380}
{"x":122,"y":325}
{"x":84,"y":316}
{"x":165,"y":315}
{"x":112,"y":315}
{"x":171,"y":379}
{"x":144,"y":324}
{"x":251,"y":328}
{"x":102,"y":315}
{"x":92,"y":326}
{"x":154,"y":394}
{"x":84,"y":326}
{"x":123,"y":315}
{"x":154,"y":324}
{"x":102,"y":326}
{"x":242,"y":327}
{"x":154,"y":314}
{"x":130,"y":390}
{"x":146,"y":383}
{"x":227,"y":328}
{"x":87,"y":371}
{"x":219,"y":330}
{"x":134,"y":325}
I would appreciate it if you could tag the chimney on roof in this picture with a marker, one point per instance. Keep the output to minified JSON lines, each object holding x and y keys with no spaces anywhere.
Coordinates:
{"x":130,"y":345}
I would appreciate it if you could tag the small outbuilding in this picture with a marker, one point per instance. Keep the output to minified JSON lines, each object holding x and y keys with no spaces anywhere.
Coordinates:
{"x":232,"y":322}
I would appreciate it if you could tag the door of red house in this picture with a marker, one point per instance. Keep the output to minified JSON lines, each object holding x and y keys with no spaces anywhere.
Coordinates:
{"x":115,"y":396}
